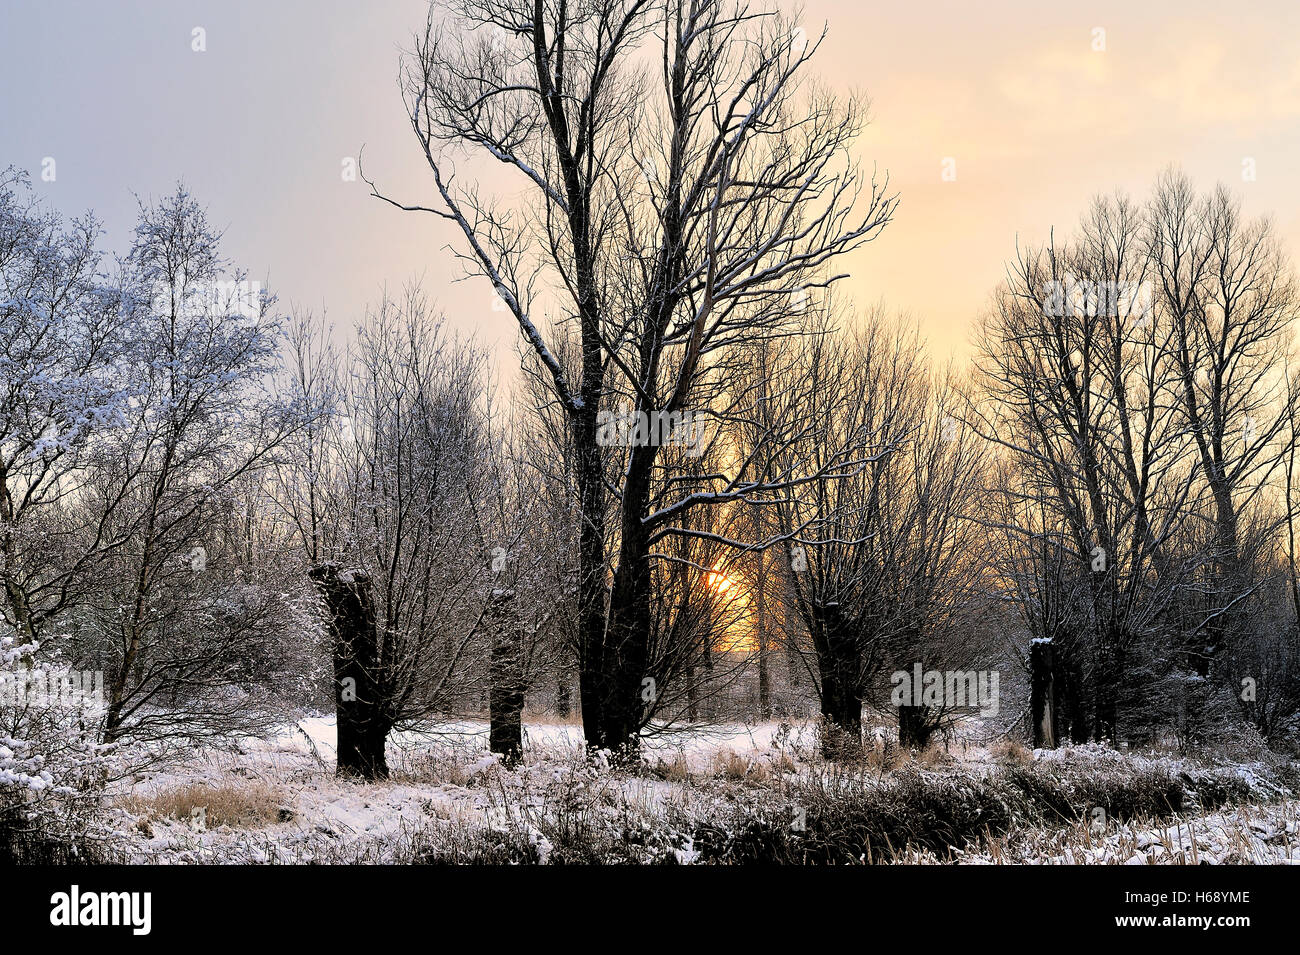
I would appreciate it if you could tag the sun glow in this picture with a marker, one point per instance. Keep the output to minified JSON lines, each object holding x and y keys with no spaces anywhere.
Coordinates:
{"x":736,"y":635}
{"x":721,"y":584}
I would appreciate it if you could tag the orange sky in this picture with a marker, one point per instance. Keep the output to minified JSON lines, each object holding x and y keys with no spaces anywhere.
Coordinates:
{"x":1037,"y":122}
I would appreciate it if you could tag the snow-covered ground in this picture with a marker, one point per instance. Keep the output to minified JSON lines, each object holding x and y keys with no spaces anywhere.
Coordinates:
{"x":445,"y":774}
{"x":445,"y":783}
{"x":1250,"y":834}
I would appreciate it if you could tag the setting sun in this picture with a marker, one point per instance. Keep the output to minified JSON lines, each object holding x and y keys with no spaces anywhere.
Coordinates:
{"x":735,"y":633}
{"x":721,"y":583}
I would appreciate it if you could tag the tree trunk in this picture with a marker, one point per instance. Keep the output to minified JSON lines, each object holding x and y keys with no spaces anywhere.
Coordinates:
{"x":692,"y":693}
{"x":506,"y":693}
{"x":1042,"y":694}
{"x":1073,"y":722}
{"x":506,"y":730}
{"x":841,"y":700}
{"x":627,"y":649}
{"x":592,"y":688}
{"x":914,"y":727}
{"x":764,"y":678}
{"x":361,"y":705}
{"x":1106,"y":720}
{"x":1229,"y":578}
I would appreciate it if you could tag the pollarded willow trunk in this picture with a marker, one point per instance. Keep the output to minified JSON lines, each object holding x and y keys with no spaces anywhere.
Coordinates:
{"x":840,"y":668}
{"x":506,"y":732}
{"x":1042,"y":693}
{"x":914,"y":727}
{"x":506,"y":695}
{"x":1073,"y":719}
{"x":1106,"y":693}
{"x":362,"y":749}
{"x":562,"y":697}
{"x":361,"y":704}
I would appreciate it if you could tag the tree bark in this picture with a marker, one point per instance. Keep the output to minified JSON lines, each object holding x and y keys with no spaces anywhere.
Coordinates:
{"x":361,"y":706}
{"x":632,"y":698}
{"x":1106,"y":721}
{"x":1073,"y":722}
{"x":506,"y":693}
{"x":592,"y":688}
{"x":841,"y":700}
{"x":506,"y":707}
{"x":914,"y":727}
{"x":1042,"y":694}
{"x":764,"y":678}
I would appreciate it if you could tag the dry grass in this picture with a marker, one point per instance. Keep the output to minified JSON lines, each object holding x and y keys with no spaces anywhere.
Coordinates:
{"x":781,"y":763}
{"x":1011,"y":751}
{"x":731,"y":765}
{"x":548,"y":717}
{"x":1249,"y":835}
{"x":881,"y":753}
{"x":246,"y":805}
{"x":934,"y":756}
{"x":677,"y":771}
{"x":440,"y":765}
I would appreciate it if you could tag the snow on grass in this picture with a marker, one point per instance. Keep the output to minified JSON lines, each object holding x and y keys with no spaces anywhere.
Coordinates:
{"x":1253,"y":834}
{"x":447,"y":789}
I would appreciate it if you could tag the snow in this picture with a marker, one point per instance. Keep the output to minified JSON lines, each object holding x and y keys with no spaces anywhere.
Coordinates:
{"x":445,"y":781}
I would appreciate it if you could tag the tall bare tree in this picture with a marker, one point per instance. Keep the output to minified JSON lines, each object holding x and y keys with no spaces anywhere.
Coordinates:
{"x":1076,"y":364}
{"x":204,"y":421}
{"x":1228,"y":292}
{"x":63,"y":388}
{"x":875,"y":556}
{"x":685,"y":184}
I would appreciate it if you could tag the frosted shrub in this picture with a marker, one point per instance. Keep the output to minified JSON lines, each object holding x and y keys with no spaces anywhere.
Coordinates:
{"x":52,"y":769}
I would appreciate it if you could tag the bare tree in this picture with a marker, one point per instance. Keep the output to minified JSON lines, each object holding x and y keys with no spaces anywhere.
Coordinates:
{"x":1081,"y":397}
{"x":532,"y":582}
{"x":202,"y":423}
{"x":395,"y":526}
{"x":874,"y":556}
{"x":1225,"y":287}
{"x":675,"y":213}
{"x":63,"y":386}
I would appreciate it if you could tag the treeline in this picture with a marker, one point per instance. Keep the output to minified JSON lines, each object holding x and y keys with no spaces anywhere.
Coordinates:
{"x":1137,"y":382}
{"x":232,"y":515}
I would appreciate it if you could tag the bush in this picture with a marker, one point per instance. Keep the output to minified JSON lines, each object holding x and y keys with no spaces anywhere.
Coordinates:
{"x":52,"y":770}
{"x":846,"y":819}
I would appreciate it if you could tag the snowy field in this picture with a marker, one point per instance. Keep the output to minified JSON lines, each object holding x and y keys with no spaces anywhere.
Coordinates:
{"x":445,"y":775}
{"x":278,"y":801}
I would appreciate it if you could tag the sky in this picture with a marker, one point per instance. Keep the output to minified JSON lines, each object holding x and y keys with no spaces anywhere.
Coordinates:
{"x":1032,"y":108}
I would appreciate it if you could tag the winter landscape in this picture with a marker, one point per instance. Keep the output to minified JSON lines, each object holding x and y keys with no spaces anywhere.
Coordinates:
{"x":582,"y":473}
